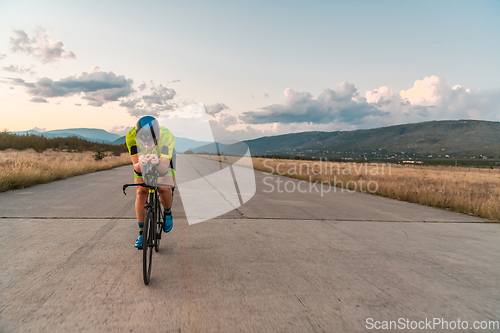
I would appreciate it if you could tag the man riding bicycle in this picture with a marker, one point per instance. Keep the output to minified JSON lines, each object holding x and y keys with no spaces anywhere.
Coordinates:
{"x":148,"y":142}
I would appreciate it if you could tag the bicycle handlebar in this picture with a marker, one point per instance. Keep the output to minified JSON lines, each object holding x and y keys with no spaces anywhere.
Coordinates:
{"x":148,"y":186}
{"x":146,"y":169}
{"x":145,"y":185}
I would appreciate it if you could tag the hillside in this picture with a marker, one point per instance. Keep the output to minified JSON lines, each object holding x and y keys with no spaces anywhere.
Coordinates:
{"x":91,"y":134}
{"x":102,"y":136}
{"x":454,"y":138}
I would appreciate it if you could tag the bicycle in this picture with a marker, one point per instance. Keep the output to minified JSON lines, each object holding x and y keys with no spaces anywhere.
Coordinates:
{"x":153,"y":223}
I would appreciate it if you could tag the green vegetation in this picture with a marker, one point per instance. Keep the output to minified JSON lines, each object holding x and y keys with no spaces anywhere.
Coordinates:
{"x":70,"y":144}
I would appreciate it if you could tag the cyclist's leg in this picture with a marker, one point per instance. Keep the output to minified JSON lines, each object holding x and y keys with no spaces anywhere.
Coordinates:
{"x":166,"y":199}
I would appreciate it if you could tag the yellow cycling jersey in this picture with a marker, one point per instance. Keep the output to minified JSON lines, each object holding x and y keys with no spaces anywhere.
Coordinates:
{"x":163,"y":148}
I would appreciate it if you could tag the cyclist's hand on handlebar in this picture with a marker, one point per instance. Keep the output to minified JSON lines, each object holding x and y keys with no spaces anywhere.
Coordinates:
{"x":155,"y":160}
{"x":143,"y":159}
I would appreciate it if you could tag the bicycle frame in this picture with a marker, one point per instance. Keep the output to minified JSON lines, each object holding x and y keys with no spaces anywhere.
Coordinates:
{"x":151,"y":239}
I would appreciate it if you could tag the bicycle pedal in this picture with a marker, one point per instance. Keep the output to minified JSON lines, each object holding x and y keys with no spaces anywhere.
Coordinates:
{"x":158,"y":235}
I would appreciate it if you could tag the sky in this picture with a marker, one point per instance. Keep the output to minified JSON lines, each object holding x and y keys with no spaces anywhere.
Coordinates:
{"x":260,"y":68}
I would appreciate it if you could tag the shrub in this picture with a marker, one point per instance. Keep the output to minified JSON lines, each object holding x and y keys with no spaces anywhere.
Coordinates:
{"x":99,"y":154}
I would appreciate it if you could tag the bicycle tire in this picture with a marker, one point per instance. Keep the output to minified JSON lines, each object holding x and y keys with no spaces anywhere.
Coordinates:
{"x":147,"y":246}
{"x":159,"y":224}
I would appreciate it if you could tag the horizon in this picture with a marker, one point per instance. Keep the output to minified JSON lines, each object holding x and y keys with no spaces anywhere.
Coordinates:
{"x":266,"y":136}
{"x":322,"y":66}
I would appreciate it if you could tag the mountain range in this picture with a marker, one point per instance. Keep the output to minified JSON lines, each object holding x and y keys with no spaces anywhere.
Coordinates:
{"x":99,"y":135}
{"x":441,"y":139}
{"x":91,"y":134}
{"x":449,"y":138}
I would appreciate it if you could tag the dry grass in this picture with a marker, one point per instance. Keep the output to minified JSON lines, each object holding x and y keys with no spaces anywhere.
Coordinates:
{"x":469,"y":191}
{"x":25,"y":168}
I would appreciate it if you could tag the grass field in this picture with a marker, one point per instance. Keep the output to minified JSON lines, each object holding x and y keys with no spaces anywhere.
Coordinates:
{"x":23,"y":168}
{"x":464,"y":190}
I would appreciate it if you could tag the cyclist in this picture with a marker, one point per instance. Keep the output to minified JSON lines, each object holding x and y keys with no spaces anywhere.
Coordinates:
{"x":150,"y":142}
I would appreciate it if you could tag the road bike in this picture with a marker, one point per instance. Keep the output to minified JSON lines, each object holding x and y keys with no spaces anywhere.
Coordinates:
{"x":153,"y":223}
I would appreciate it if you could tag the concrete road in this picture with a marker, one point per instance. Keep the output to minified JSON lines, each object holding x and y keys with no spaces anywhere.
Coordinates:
{"x":283,"y":262}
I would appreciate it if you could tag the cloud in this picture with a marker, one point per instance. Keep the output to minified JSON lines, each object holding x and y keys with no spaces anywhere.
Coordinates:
{"x":429,"y":99}
{"x":174,"y":81}
{"x":228,"y":128}
{"x":78,"y":104}
{"x":38,"y":129}
{"x":41,"y":47}
{"x":98,"y":87}
{"x":159,"y":96}
{"x":38,"y":100}
{"x":2,"y":56}
{"x":18,"y":69}
{"x":213,"y":109}
{"x":433,"y":99}
{"x":266,"y":95}
{"x":155,"y":103}
{"x":221,"y":124}
{"x":121,"y":130}
{"x":342,"y":104}
{"x":430,"y":91}
{"x":19,"y":81}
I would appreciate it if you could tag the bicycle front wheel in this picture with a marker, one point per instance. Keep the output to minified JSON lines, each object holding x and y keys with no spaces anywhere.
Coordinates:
{"x":159,"y":224}
{"x":147,"y":245}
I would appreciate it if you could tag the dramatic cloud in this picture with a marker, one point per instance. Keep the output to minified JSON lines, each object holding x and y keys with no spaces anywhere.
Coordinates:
{"x":38,"y":100}
{"x":153,"y":104}
{"x":342,"y":104}
{"x":432,"y":99}
{"x":41,"y":47}
{"x":429,"y":99}
{"x":18,"y":69}
{"x":213,"y":109}
{"x":97,"y":87}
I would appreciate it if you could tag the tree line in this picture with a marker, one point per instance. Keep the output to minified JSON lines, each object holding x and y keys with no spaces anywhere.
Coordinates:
{"x":71,"y":144}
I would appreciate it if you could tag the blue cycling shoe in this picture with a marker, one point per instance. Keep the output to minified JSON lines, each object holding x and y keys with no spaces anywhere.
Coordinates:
{"x":138,"y":243}
{"x":168,"y":223}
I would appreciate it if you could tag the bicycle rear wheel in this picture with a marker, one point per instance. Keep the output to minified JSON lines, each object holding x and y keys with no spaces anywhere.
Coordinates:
{"x":147,"y":245}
